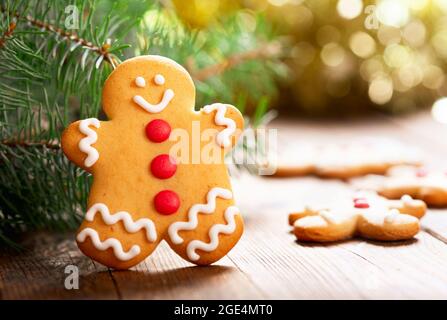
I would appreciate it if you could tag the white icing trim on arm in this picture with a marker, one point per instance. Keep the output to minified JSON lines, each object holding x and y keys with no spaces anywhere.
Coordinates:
{"x":85,"y":145}
{"x":214,"y":232}
{"x":207,"y":208}
{"x":155,"y":108}
{"x":129,"y":224}
{"x":223,"y":138}
{"x":113,"y":243}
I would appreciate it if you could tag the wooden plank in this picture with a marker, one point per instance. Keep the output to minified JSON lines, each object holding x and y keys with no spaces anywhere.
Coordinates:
{"x":39,"y":271}
{"x":164,"y":275}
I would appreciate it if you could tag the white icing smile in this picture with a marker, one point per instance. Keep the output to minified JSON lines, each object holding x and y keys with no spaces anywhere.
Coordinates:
{"x":149,"y":107}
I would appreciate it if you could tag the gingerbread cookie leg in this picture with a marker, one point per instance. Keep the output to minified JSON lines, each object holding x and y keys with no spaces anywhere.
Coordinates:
{"x":410,"y":206}
{"x":116,"y":238}
{"x":391,"y":226}
{"x":214,"y":226}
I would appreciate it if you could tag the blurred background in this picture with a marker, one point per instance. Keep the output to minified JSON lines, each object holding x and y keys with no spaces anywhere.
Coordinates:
{"x":349,"y":56}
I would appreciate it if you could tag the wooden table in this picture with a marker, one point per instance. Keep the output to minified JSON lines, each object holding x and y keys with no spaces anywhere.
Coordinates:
{"x":267,"y":263}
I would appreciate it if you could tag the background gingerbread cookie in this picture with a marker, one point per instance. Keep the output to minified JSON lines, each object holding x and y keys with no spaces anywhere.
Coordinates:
{"x":152,"y":180}
{"x":363,"y":214}
{"x":357,"y":157}
{"x":421,"y":183}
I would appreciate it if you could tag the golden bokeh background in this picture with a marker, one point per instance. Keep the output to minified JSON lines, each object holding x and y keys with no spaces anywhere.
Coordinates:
{"x":351,"y":56}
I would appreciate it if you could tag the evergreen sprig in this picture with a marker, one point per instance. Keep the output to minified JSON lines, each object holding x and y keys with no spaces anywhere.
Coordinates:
{"x":51,"y":76}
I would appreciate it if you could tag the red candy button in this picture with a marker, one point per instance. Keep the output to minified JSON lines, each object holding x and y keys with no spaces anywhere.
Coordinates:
{"x":158,"y":130}
{"x":166,"y":202}
{"x":361,"y":203}
{"x":421,"y":172}
{"x":163,"y":166}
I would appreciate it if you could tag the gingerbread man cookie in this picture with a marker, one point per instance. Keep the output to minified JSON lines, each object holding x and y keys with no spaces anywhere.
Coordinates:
{"x":143,"y":192}
{"x":358,"y":157}
{"x":365,"y":215}
{"x":421,"y":183}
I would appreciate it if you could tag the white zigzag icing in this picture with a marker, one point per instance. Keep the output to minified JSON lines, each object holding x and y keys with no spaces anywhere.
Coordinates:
{"x":207,"y":208}
{"x":129,"y":224}
{"x":85,"y":145}
{"x":223,"y":137}
{"x":214,"y":232}
{"x":109,"y":243}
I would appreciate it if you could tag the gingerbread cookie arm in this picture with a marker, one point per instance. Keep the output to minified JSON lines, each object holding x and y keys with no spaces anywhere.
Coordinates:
{"x":78,"y":143}
{"x":303,"y":212}
{"x":224,"y":118}
{"x":324,"y":226}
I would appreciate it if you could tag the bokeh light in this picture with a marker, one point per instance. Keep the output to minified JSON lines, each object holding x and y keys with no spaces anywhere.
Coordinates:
{"x":393,"y":13}
{"x":397,"y":55}
{"x":381,"y":90}
{"x":349,"y":9}
{"x":439,"y":110}
{"x":362,"y":44}
{"x":388,"y":35}
{"x":332,"y":54}
{"x":414,"y":33}
{"x":433,"y":77}
{"x":441,"y":4}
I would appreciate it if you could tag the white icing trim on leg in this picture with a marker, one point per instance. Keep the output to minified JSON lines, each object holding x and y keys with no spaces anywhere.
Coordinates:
{"x":85,"y":145}
{"x":113,"y":243}
{"x":192,"y":222}
{"x":129,"y":224}
{"x":214,"y":232}
{"x":223,"y":137}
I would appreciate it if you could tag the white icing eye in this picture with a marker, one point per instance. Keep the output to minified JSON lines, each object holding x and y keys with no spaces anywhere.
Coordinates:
{"x":159,"y":80}
{"x":140,"y":82}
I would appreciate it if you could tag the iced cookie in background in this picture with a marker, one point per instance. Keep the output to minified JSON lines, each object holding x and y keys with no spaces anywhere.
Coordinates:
{"x":142,"y":192}
{"x":361,"y":214}
{"x":356,"y":157}
{"x":421,"y":183}
{"x":294,"y":160}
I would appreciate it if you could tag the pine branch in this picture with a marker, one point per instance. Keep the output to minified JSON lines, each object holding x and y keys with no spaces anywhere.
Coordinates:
{"x":102,"y":51}
{"x":25,"y":144}
{"x":266,"y":51}
{"x":8,"y":33}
